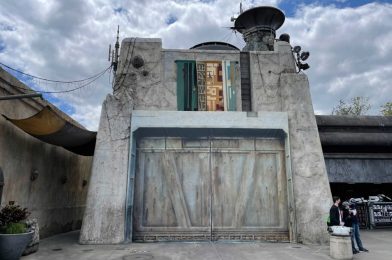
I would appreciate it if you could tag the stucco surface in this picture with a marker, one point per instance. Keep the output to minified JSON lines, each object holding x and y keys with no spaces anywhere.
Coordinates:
{"x":276,"y":88}
{"x":56,"y":197}
{"x":104,"y":218}
{"x":307,"y":161}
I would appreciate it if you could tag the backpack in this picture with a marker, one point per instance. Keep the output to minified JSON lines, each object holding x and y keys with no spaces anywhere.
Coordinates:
{"x":329,"y":221}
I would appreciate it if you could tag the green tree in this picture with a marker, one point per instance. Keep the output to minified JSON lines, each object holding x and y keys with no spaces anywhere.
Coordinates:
{"x":386,"y":109}
{"x":357,"y":107}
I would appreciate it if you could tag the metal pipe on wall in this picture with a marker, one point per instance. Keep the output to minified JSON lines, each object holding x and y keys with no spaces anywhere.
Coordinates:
{"x":21,"y":96}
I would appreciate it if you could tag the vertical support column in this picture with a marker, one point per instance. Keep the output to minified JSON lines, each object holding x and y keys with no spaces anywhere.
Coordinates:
{"x":137,"y":83}
{"x":307,"y":161}
{"x":104,"y":216}
{"x":276,"y":87}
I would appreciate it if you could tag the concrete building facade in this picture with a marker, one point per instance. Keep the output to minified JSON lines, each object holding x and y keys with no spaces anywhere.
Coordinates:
{"x":169,"y":166}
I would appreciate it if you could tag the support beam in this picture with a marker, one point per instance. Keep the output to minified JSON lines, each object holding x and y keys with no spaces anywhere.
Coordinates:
{"x":21,"y":96}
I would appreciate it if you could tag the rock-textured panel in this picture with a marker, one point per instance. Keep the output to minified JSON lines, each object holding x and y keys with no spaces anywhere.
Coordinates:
{"x":105,"y":210}
{"x":307,"y":161}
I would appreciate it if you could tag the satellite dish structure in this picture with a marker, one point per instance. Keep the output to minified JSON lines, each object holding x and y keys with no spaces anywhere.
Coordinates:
{"x":258,"y":26}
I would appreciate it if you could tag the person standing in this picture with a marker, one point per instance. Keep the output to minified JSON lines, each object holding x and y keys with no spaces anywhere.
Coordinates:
{"x":335,"y":215}
{"x":348,"y":222}
{"x":355,"y":226}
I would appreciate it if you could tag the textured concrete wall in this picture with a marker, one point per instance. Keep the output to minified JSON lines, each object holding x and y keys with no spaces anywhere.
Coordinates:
{"x":57,"y":197}
{"x":151,"y":86}
{"x":276,"y":87}
{"x":104,"y":218}
{"x":311,"y":187}
{"x":155,"y":83}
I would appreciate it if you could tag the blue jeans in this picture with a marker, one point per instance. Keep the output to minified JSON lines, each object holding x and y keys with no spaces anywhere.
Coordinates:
{"x":356,"y":237}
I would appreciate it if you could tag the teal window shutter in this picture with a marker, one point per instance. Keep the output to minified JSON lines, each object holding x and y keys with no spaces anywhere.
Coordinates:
{"x":232,"y":104}
{"x":186,"y":85}
{"x":229,"y":85}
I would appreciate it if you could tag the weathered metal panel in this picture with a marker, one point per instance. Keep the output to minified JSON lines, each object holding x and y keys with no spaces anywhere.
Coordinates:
{"x":245,"y":82}
{"x":202,"y":189}
{"x":249,"y":191}
{"x":359,"y":170}
{"x":172,"y":196}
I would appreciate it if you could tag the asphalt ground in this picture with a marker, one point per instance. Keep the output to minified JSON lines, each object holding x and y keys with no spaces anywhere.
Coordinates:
{"x":65,"y":246}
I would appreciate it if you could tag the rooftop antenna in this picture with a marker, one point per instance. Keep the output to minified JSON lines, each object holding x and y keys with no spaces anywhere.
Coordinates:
{"x":113,"y":54}
{"x":116,"y":46}
{"x":234,"y":16}
{"x":110,"y":52}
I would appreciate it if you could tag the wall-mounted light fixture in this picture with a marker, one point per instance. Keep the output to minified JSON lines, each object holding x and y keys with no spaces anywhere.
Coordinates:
{"x":301,"y":56}
{"x":304,"y":55}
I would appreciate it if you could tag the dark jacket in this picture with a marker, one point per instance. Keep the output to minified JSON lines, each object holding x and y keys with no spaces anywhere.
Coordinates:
{"x":354,"y":217}
{"x":334,"y":216}
{"x":347,"y":218}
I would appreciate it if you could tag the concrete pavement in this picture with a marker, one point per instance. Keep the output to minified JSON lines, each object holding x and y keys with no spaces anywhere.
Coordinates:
{"x":66,"y":246}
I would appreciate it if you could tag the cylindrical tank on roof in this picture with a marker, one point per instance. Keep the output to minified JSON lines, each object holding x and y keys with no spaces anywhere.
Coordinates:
{"x":258,"y":26}
{"x":215,"y":46}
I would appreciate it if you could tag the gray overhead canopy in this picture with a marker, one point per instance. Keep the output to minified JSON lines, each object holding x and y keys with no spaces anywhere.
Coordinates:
{"x":51,"y":128}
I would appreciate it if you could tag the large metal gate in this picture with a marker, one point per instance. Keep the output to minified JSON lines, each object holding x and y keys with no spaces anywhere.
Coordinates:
{"x":210,"y":189}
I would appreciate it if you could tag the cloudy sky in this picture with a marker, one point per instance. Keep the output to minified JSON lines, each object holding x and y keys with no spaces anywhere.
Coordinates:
{"x":350,"y":43}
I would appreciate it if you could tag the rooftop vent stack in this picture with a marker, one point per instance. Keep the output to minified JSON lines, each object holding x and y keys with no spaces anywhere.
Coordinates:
{"x":258,"y":25}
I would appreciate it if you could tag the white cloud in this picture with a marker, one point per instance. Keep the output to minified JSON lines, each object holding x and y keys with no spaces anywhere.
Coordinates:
{"x":351,"y":52}
{"x":89,"y":115}
{"x":350,"y":48}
